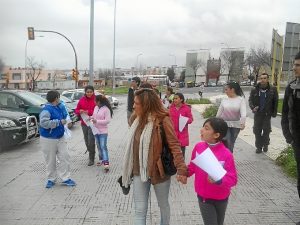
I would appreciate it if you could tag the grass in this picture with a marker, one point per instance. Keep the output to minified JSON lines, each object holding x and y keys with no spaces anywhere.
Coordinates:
{"x":279,"y":107}
{"x":210,"y":111}
{"x":198,"y":101}
{"x":287,"y":161}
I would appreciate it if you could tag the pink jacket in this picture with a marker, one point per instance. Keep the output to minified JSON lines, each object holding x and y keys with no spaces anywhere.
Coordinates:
{"x":86,"y":103}
{"x":203,"y":187}
{"x":184,"y":110}
{"x":103,"y":117}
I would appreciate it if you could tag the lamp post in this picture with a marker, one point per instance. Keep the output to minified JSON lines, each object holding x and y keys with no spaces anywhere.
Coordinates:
{"x":137,"y":61}
{"x":91,"y":66}
{"x":114,"y":51}
{"x":26,"y":54}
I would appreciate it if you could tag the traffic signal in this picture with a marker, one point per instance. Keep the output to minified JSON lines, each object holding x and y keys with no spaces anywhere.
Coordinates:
{"x":30,"y":33}
{"x":74,"y":75}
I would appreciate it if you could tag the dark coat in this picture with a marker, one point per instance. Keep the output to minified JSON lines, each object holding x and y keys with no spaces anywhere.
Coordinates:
{"x":271,"y":103}
{"x":290,"y":120}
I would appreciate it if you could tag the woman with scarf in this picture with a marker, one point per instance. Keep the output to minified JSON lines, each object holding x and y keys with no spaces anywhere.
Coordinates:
{"x":142,"y":161}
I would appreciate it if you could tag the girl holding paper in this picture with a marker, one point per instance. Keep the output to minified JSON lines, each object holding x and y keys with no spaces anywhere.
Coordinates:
{"x":101,"y":118}
{"x":181,"y":116}
{"x":213,"y":194}
{"x":233,"y":111}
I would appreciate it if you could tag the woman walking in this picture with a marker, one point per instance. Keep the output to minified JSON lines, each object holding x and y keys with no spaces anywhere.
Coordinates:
{"x":142,"y":161}
{"x":101,"y":118}
{"x":178,"y":110}
{"x":233,"y":111}
{"x":85,"y":107}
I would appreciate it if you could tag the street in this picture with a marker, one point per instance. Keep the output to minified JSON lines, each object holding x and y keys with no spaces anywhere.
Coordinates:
{"x":264,"y":195}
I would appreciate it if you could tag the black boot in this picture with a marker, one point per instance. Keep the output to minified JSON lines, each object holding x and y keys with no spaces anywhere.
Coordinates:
{"x":265,"y":148}
{"x":258,"y":150}
{"x":91,"y":159}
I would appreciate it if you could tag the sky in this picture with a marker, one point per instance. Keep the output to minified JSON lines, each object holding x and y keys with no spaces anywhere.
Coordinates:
{"x":148,"y":32}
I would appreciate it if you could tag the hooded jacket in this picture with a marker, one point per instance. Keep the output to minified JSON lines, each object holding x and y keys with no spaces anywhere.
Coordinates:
{"x":205,"y":189}
{"x":86,"y":103}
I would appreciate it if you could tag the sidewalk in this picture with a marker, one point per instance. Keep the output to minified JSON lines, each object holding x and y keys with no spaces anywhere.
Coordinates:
{"x":264,"y":195}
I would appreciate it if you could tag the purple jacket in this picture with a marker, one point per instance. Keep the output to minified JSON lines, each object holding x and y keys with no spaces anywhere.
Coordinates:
{"x":184,"y":110}
{"x":203,"y":187}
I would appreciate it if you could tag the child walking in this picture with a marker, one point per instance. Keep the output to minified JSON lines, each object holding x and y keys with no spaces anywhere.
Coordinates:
{"x":101,"y":118}
{"x":213,"y":195}
{"x":177,"y":109}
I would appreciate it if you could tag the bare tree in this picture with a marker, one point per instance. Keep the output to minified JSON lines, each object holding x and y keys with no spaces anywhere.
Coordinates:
{"x":105,"y":74}
{"x":255,"y":59}
{"x":35,"y":70}
{"x":233,"y":63}
{"x":195,"y":64}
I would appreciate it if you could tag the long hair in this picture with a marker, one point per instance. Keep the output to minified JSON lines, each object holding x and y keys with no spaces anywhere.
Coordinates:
{"x":89,"y":87}
{"x":181,"y":96}
{"x":237,"y":88}
{"x":104,"y":101}
{"x":150,"y":104}
{"x":219,"y":126}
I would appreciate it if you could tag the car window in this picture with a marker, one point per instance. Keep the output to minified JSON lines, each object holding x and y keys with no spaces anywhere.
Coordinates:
{"x":8,"y":100}
{"x":68,"y":95}
{"x":78,"y":95}
{"x":33,"y":98}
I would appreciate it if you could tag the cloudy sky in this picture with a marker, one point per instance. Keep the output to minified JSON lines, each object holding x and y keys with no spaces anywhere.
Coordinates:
{"x":159,"y":29}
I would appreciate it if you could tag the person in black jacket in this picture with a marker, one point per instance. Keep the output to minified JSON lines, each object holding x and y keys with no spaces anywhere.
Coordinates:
{"x":135,"y":83}
{"x":290,"y":120}
{"x":263,"y":102}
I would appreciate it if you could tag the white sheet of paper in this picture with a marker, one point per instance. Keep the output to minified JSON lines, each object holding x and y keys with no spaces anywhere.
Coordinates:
{"x":86,"y":120}
{"x":208,"y":162}
{"x":182,"y":122}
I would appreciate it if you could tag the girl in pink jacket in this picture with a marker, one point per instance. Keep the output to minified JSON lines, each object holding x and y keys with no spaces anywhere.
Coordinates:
{"x":179,"y":108}
{"x":213,"y":195}
{"x":101,"y":117}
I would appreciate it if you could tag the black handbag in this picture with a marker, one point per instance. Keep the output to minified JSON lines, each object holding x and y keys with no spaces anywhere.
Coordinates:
{"x":166,"y":155}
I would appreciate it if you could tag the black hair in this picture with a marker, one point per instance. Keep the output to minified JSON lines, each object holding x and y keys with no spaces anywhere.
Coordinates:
{"x":181,"y":96}
{"x":137,"y":80}
{"x":237,"y":88}
{"x":52,"y":96}
{"x":89,"y":87}
{"x":104,"y":101}
{"x":219,"y":126}
{"x":297,"y":56}
{"x":170,"y":90}
{"x":265,"y":74}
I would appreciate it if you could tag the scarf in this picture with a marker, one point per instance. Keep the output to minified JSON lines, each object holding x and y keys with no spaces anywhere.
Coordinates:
{"x":143,"y":151}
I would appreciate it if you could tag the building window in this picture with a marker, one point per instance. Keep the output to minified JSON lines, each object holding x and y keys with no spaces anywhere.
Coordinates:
{"x":16,"y":76}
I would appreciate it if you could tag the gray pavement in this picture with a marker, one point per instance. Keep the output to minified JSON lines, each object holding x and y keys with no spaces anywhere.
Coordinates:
{"x":264,"y":195}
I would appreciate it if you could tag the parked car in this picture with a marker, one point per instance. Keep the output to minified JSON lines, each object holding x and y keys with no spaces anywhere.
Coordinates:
{"x":25,"y":101}
{"x":16,"y":128}
{"x":115,"y":102}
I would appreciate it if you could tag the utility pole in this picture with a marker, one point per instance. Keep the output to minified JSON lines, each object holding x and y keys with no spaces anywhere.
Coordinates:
{"x":91,"y":69}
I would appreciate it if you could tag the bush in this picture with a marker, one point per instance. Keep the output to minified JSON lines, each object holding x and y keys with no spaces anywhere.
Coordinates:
{"x":210,"y":111}
{"x":287,"y":161}
{"x":198,"y":101}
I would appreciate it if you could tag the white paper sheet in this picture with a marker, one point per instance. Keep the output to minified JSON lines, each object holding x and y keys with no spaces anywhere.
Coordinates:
{"x":87,"y":121}
{"x":210,"y":164}
{"x":182,"y":122}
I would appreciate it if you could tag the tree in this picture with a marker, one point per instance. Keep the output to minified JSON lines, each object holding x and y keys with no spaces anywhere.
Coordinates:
{"x":105,"y":74}
{"x":256,"y":58}
{"x":35,"y":70}
{"x":171,"y":73}
{"x":182,"y":76}
{"x":195,"y":64}
{"x":232,"y":61}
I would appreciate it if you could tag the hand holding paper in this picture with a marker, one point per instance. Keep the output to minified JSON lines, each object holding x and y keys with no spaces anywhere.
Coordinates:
{"x":210,"y":164}
{"x":182,"y":122}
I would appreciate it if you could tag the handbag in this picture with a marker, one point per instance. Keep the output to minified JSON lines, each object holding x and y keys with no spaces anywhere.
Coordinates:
{"x":166,"y":155}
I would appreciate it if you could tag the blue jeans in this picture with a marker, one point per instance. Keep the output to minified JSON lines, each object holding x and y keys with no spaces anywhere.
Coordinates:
{"x":140,"y":196}
{"x":101,"y":140}
{"x":231,"y":136}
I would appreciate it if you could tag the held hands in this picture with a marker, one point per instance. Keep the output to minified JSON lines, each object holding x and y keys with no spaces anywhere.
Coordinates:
{"x":182,"y":179}
{"x":93,"y":120}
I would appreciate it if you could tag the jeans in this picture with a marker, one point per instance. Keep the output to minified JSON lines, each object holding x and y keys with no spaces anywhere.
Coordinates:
{"x":231,"y":137}
{"x":140,"y":196}
{"x":101,"y":140}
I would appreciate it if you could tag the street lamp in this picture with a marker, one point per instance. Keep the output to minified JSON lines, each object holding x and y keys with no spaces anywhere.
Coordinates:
{"x":137,"y":61}
{"x":174,"y":58}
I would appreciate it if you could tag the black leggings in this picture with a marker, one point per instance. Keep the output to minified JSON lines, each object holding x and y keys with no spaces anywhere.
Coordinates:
{"x":213,"y":211}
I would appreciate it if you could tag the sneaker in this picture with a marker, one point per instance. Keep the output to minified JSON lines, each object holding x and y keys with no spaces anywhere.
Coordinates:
{"x":265,"y":148}
{"x":258,"y":150}
{"x":91,"y":162}
{"x":99,"y":163}
{"x":106,"y":166}
{"x":69,"y":182}
{"x":50,"y":184}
